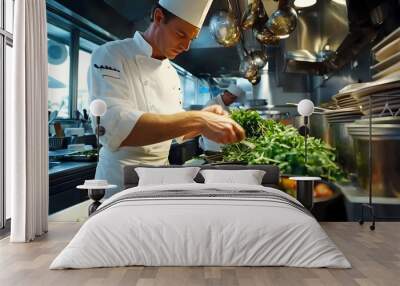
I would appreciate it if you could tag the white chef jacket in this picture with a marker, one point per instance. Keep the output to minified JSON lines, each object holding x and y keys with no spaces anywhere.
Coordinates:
{"x":131,"y":82}
{"x":218,"y":101}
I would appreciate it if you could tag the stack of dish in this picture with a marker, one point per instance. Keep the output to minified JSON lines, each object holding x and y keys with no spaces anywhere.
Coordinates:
{"x":387,"y":56}
{"x":329,"y":105}
{"x":345,"y":100}
{"x":344,"y":108}
{"x":384,"y":95}
{"x":343,"y":115}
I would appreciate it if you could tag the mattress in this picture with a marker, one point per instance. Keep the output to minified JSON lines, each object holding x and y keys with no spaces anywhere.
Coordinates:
{"x":201,"y":225}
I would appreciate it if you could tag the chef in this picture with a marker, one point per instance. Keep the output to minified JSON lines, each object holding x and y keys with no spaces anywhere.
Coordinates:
{"x":225,"y":99}
{"x":142,"y":92}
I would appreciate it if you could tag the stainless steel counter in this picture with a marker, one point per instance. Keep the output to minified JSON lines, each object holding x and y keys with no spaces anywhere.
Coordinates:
{"x":70,"y":166}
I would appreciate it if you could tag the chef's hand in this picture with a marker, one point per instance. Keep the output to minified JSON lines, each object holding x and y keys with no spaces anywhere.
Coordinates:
{"x":221,"y":128}
{"x":217,"y":109}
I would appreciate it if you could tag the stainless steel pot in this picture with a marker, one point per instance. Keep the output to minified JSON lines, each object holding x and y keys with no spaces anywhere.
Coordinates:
{"x":344,"y":145}
{"x":385,"y":167}
{"x":385,"y":155}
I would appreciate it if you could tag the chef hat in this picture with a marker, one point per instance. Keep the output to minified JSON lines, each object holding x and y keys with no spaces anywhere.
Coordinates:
{"x":235,"y":90}
{"x":194,"y":12}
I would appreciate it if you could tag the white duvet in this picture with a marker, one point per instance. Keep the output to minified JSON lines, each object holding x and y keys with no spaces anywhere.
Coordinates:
{"x":200,"y":232}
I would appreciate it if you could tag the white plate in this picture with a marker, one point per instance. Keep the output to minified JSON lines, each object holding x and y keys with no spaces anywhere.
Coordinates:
{"x":387,"y":72}
{"x":389,"y":38}
{"x":388,"y":50}
{"x":386,"y":63}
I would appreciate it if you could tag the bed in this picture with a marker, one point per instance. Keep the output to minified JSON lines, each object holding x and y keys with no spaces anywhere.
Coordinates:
{"x":198,"y":224}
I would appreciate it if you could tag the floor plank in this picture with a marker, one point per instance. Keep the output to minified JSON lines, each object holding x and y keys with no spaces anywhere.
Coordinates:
{"x":375,"y":257}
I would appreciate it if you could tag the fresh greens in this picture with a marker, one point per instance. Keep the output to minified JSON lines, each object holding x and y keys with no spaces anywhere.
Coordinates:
{"x":283,"y":146}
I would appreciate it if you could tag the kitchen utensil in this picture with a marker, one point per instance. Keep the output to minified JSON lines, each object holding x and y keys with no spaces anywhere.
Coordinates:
{"x":283,"y":21}
{"x":250,"y":15}
{"x":53,"y":116}
{"x":385,"y":146}
{"x":255,"y":80}
{"x":59,"y":130}
{"x":265,"y":36}
{"x":76,"y":147}
{"x":262,"y":14}
{"x":225,"y":29}
{"x":248,"y":68}
{"x":74,"y":132}
{"x":304,"y":3}
{"x":85,"y":115}
{"x":56,"y":143}
{"x":78,"y":115}
{"x":259,"y":59}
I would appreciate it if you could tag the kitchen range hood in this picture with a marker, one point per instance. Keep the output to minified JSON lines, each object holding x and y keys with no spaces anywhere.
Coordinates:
{"x":330,"y":34}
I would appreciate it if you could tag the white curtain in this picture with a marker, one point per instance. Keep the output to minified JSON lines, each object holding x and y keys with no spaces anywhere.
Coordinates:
{"x":26,"y":117}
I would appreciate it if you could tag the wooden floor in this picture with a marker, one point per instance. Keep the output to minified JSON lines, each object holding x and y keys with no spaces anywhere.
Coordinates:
{"x":375,"y":257}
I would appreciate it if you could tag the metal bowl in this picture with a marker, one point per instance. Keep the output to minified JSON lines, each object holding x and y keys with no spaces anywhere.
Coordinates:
{"x":283,"y":21}
{"x":225,"y":29}
{"x":260,"y":59}
{"x":255,"y":80}
{"x":247,"y":67}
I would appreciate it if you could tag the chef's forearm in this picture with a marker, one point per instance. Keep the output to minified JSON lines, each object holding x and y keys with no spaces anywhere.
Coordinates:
{"x":155,"y":128}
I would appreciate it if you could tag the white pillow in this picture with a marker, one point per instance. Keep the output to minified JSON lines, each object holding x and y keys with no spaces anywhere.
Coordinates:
{"x":248,"y":177}
{"x":166,"y":176}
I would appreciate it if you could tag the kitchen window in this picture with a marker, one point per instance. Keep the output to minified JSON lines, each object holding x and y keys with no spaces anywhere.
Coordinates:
{"x":195,"y":91}
{"x":69,"y":59}
{"x":189,"y":93}
{"x":59,"y":77}
{"x":203,"y":92}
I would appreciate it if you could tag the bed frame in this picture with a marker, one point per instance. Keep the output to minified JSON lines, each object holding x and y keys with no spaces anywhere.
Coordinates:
{"x":270,"y":179}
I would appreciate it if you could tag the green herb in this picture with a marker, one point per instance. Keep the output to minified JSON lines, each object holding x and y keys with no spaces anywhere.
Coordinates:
{"x":282,"y":145}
